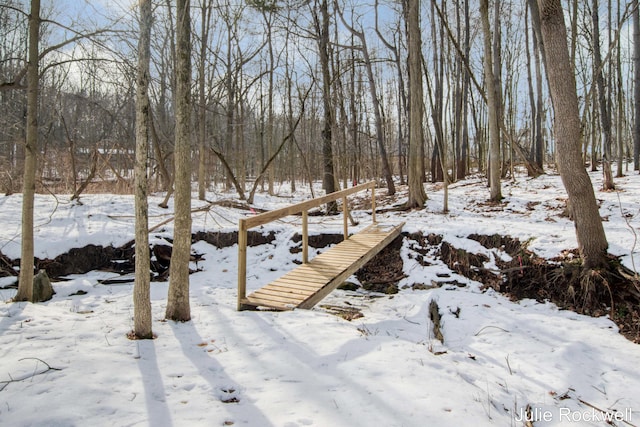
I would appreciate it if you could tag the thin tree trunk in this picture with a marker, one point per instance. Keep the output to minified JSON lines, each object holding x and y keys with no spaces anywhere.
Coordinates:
{"x":25,"y":283}
{"x":167,"y":181}
{"x":202,"y":107}
{"x":620,"y":100}
{"x":401,"y":102}
{"x":592,"y":242}
{"x":375,"y":105}
{"x":492,"y":105}
{"x":636,"y":85}
{"x":178,"y":307}
{"x":605,"y":111}
{"x":539,"y":110}
{"x":536,"y":99}
{"x":270,"y":112}
{"x":141,"y":291}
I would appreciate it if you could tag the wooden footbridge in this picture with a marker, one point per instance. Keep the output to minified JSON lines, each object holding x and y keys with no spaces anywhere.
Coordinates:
{"x":309,"y":283}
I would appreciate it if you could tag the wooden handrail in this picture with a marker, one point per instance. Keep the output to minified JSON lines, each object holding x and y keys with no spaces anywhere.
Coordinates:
{"x":244,"y":224}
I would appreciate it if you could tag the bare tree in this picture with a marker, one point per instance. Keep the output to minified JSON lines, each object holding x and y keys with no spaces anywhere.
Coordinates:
{"x":535,"y":96}
{"x":401,"y":101}
{"x":25,"y":284}
{"x":141,"y":297}
{"x":417,"y":195}
{"x":321,"y":22}
{"x":375,"y":102}
{"x":592,"y":242}
{"x":636,"y":85}
{"x":205,"y":24}
{"x":493,"y":106}
{"x":603,"y":104}
{"x":178,"y":307}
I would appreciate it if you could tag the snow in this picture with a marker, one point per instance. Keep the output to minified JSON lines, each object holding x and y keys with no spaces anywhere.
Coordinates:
{"x":309,"y":367}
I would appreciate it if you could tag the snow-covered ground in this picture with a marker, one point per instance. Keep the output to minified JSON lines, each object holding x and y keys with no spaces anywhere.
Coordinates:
{"x":68,"y":362}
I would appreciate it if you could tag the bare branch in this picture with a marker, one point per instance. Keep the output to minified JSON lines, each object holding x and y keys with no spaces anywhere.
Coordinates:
{"x":5,"y":383}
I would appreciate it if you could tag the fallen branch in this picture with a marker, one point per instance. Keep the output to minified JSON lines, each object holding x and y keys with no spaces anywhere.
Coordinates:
{"x":490,"y":326}
{"x":605,"y":413}
{"x":5,"y":383}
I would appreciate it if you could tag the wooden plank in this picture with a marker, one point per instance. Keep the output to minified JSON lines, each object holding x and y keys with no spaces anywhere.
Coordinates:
{"x":276,"y":298}
{"x":340,"y":257}
{"x":252,"y":302}
{"x":319,"y":270}
{"x":305,"y":282}
{"x":351,"y":250}
{"x":285,"y":297}
{"x":286,"y":290}
{"x":289,"y":287}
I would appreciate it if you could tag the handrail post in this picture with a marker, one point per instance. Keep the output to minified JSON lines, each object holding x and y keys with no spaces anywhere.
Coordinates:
{"x":305,"y":237}
{"x":242,"y":262}
{"x":345,"y":219}
{"x":373,"y":204}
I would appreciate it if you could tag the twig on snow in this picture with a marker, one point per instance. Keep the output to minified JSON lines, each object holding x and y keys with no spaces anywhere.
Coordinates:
{"x":5,"y":383}
{"x":490,"y":326}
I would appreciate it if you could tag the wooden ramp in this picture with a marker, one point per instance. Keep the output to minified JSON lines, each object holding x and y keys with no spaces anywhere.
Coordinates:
{"x":309,"y":283}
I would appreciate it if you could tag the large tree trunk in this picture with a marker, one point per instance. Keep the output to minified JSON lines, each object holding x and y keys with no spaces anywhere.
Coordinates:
{"x":417,"y":195}
{"x":25,"y":284}
{"x":141,"y":297}
{"x":328,"y":180}
{"x":592,"y":241}
{"x":178,"y":300}
{"x":493,"y":106}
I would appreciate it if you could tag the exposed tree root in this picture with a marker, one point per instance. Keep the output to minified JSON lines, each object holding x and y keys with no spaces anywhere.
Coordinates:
{"x":613,"y":291}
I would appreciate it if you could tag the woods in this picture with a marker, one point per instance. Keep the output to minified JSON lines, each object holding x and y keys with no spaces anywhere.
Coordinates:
{"x":253,"y":60}
{"x":248,"y":97}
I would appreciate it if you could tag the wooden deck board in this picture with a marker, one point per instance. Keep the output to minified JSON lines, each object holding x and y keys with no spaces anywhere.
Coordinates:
{"x":309,"y":283}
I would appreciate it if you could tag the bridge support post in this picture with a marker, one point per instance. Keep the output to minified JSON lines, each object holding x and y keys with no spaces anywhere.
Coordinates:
{"x":305,"y":237}
{"x":242,"y":262}
{"x":345,"y":218}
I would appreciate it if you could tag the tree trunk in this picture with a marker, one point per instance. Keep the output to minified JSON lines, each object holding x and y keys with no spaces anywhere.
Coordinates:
{"x":328,"y":180}
{"x":592,"y":241}
{"x":202,"y":107}
{"x":462,"y":130}
{"x":605,"y":111}
{"x":620,"y":108}
{"x":535,"y":95}
{"x":141,"y":297}
{"x":178,"y":300}
{"x":417,"y":195}
{"x":25,"y":284}
{"x":375,"y":105}
{"x":492,"y":105}
{"x":386,"y":169}
{"x":401,"y":102}
{"x":636,"y":85}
